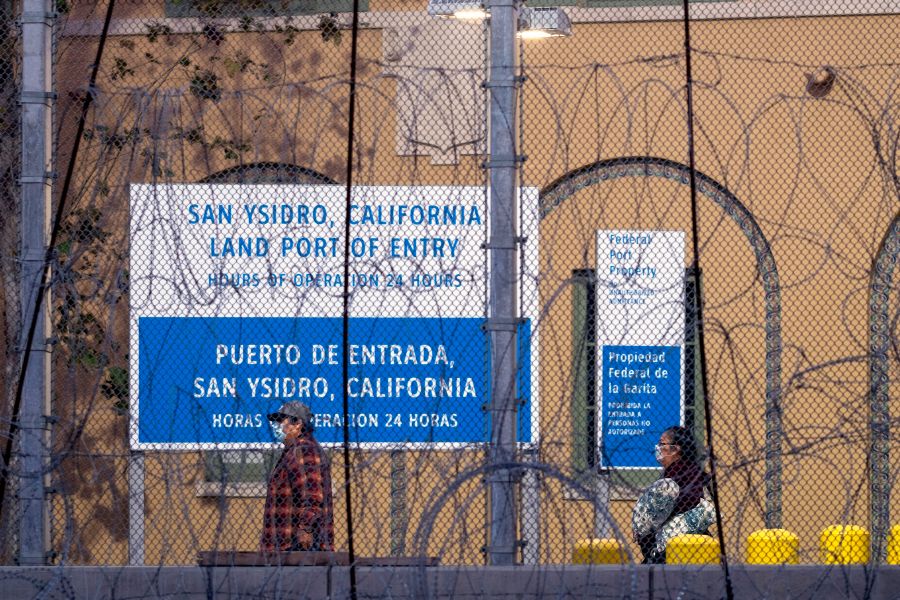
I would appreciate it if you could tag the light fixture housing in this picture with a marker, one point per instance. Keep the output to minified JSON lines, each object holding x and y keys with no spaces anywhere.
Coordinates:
{"x":819,"y":84}
{"x":464,"y":10}
{"x":543,"y":22}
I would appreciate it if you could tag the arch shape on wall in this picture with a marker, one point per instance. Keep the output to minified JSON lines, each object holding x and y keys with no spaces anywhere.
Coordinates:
{"x":268,"y":172}
{"x":880,"y":286}
{"x":648,"y":166}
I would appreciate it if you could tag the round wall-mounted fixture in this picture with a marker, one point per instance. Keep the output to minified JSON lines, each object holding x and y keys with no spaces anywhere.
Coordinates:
{"x":818,"y":84}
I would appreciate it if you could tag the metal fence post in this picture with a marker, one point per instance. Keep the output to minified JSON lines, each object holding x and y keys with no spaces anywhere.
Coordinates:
{"x":136,"y":528}
{"x":36,"y":180}
{"x":531,"y":511}
{"x":502,"y":324}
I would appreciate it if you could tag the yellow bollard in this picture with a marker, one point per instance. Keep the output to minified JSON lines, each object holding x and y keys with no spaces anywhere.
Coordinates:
{"x":598,"y":551}
{"x":773,"y":547}
{"x":893,"y":546}
{"x":844,"y":545}
{"x":692,"y":549}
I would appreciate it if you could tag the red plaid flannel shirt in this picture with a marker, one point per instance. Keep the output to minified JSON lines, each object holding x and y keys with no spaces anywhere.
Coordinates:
{"x":298,"y":513}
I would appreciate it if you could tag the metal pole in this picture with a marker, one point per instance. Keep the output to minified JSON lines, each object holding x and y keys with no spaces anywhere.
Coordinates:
{"x":136,"y":531}
{"x":602,"y":526}
{"x":503,"y":319}
{"x":531,"y":512}
{"x":36,"y":179}
{"x":399,"y":511}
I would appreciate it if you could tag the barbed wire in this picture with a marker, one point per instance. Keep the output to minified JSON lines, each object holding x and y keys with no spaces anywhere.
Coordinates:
{"x":800,"y":177}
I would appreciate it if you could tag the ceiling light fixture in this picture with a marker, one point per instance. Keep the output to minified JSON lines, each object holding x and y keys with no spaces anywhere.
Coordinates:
{"x":464,"y":10}
{"x":543,"y":22}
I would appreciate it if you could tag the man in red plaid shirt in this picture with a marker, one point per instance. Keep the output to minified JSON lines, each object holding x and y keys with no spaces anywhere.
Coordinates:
{"x":298,"y":513}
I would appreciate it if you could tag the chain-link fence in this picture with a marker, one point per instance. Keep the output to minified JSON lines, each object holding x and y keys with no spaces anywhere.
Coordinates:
{"x":9,"y":224}
{"x":512,"y":278}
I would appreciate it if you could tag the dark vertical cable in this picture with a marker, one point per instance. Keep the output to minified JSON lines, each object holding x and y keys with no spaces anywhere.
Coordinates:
{"x":701,"y":348}
{"x":345,"y":315}
{"x":48,"y":256}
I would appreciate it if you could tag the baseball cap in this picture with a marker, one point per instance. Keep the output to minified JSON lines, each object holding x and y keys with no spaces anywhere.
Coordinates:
{"x":294,"y":409}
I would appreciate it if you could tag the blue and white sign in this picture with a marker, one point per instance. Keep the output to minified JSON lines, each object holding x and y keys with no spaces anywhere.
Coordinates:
{"x":236,"y":303}
{"x":640,"y":341}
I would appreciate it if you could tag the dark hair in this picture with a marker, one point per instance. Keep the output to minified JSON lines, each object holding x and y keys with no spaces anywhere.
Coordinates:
{"x":684,"y":439}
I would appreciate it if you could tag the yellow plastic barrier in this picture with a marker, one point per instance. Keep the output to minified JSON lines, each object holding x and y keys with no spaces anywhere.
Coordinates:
{"x":692,"y":549}
{"x":773,"y":547}
{"x":844,"y":545}
{"x":598,"y":551}
{"x":893,"y":546}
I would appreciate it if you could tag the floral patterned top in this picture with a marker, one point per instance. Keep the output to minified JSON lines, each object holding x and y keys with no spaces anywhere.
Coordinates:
{"x":656,"y":518}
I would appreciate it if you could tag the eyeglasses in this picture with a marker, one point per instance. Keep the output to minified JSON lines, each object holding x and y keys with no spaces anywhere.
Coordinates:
{"x":661,"y":445}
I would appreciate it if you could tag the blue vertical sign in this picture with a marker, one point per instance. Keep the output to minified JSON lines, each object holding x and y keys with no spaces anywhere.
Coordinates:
{"x":640,"y":341}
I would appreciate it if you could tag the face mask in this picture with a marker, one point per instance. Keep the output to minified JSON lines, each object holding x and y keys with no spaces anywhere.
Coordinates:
{"x":657,"y":452}
{"x":277,"y":431}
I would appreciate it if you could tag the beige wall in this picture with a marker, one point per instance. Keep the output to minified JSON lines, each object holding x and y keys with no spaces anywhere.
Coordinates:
{"x":805,"y":168}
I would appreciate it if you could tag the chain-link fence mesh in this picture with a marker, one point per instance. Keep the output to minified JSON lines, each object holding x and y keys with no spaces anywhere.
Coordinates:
{"x":9,"y":223}
{"x":511,"y":278}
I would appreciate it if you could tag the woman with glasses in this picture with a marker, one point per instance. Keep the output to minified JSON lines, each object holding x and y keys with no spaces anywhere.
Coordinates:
{"x":674,"y":503}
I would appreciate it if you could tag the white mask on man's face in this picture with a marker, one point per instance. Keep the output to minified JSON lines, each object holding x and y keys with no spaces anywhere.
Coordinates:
{"x":658,"y":453}
{"x":277,"y":431}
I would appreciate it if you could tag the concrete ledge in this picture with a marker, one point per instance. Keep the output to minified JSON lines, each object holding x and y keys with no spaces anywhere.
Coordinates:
{"x":202,"y":583}
{"x":799,"y":582}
